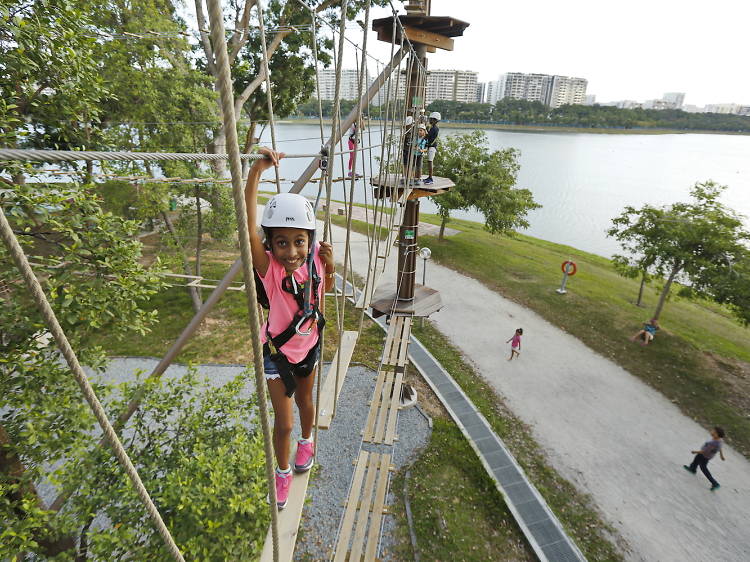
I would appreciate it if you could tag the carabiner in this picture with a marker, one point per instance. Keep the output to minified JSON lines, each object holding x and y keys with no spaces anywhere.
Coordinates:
{"x":302,"y":321}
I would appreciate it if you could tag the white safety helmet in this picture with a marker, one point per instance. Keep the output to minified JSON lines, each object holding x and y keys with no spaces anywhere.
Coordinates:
{"x":422,"y":126}
{"x":408,"y":121}
{"x":288,"y":210}
{"x":435,"y":115}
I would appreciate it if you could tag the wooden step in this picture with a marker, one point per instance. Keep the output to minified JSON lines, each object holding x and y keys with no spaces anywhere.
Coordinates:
{"x":289,"y":519}
{"x":397,"y":342}
{"x":329,"y":389}
{"x":364,"y":511}
{"x":381,"y":419}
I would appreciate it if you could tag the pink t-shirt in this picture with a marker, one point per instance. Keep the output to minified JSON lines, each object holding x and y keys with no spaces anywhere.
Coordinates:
{"x":516,"y":341}
{"x":283,"y":307}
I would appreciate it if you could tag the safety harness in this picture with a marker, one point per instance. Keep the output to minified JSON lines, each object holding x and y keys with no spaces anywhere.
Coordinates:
{"x":306,"y":295}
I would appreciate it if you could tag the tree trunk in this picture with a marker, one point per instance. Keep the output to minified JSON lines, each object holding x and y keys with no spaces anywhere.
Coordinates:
{"x":640,"y":291}
{"x":663,"y":297}
{"x":199,"y":237}
{"x":185,"y":266}
{"x":442,"y":228}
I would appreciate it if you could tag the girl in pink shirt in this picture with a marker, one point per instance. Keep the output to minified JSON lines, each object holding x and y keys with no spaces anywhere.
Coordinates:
{"x":515,"y":343}
{"x":291,"y":335}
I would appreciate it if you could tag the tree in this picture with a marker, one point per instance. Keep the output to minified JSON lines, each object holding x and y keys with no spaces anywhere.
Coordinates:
{"x":700,"y":242}
{"x":49,"y":83}
{"x":484,"y":181}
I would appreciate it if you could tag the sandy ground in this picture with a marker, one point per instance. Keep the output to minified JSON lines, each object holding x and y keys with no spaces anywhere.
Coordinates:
{"x":613,"y":436}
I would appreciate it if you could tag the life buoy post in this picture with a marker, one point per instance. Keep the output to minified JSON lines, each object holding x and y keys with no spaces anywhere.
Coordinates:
{"x":569,"y":268}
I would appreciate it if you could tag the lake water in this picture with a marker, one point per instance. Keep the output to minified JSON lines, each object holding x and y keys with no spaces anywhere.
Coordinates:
{"x":582,"y":180}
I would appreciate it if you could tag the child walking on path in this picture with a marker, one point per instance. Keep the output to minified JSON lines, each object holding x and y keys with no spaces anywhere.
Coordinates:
{"x":706,"y":453}
{"x":515,"y":344}
{"x":287,"y":262}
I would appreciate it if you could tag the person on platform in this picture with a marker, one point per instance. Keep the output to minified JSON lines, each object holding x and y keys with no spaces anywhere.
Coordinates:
{"x":432,"y":145}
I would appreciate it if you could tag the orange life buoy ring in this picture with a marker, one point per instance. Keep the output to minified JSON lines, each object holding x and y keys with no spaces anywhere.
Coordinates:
{"x":565,"y":265}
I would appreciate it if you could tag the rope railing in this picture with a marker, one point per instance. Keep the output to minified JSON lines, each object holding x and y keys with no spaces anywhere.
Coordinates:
{"x":33,"y":155}
{"x":216,"y":18}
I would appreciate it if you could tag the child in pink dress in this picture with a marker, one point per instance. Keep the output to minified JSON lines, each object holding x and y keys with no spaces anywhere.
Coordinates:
{"x":290,"y":358}
{"x":515,"y":343}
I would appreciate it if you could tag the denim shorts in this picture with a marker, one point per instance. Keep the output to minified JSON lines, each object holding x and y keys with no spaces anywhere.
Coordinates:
{"x":301,"y":369}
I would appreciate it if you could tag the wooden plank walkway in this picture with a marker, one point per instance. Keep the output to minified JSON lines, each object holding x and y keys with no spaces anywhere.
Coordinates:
{"x":381,"y":419}
{"x":364,"y":508}
{"x":397,"y":342}
{"x":289,"y":519}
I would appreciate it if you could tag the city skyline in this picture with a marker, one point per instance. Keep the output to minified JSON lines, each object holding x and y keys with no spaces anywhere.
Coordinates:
{"x":636,"y":53}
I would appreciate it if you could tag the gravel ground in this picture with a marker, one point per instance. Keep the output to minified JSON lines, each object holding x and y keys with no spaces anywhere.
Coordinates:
{"x":337,"y":450}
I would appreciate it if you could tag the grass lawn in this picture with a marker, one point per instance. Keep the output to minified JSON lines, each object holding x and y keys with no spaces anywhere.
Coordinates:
{"x":700,"y":359}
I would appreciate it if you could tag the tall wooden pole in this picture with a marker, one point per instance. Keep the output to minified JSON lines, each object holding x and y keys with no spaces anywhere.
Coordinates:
{"x":407,"y":234}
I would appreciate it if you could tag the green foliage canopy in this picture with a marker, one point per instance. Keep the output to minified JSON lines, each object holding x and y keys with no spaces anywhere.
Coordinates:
{"x":701,"y":241}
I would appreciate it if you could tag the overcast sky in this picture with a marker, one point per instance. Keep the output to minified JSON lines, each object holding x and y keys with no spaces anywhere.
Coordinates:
{"x":636,"y":49}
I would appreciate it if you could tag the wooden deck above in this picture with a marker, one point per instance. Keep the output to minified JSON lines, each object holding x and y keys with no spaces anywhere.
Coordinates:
{"x":390,"y":185}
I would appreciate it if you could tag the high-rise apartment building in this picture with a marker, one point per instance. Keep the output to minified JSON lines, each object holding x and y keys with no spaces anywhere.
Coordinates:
{"x":565,"y":90}
{"x":481,"y":92}
{"x":453,"y":85}
{"x":551,"y":90}
{"x":349,"y":83}
{"x":490,"y":95}
{"x":676,"y":99}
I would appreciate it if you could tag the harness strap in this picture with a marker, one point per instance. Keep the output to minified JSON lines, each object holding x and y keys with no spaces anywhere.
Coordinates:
{"x":275,"y":343}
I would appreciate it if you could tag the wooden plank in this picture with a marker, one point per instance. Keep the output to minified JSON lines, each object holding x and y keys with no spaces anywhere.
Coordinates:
{"x":364,"y":508}
{"x":383,"y":413}
{"x":428,"y":38}
{"x":377,"y":508}
{"x":374,"y":407}
{"x":342,"y":544}
{"x":346,"y":350}
{"x":405,"y":335}
{"x":393,"y":410}
{"x":289,"y":519}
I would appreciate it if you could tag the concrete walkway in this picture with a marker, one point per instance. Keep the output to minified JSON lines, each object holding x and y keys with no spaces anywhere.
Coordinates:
{"x":602,"y":428}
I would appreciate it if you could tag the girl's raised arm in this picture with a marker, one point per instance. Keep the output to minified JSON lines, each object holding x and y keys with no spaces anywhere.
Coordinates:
{"x":258,"y":251}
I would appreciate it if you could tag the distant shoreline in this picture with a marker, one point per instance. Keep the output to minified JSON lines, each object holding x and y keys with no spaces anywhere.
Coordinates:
{"x":545,"y":129}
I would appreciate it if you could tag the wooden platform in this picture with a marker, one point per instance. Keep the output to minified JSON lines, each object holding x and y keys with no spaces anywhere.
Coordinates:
{"x":391,"y":185}
{"x":364,"y":511}
{"x":381,"y":420}
{"x":289,"y":519}
{"x":329,"y":388}
{"x":425,"y":302}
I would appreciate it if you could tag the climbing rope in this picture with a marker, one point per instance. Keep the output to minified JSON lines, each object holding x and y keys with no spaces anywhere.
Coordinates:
{"x":230,"y":130}
{"x":269,"y":99}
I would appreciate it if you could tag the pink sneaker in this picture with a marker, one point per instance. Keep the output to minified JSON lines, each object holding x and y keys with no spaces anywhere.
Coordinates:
{"x":283,"y":483}
{"x":305,"y":458}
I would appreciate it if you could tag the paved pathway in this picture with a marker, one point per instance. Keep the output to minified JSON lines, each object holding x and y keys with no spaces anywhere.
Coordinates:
{"x":613,"y":436}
